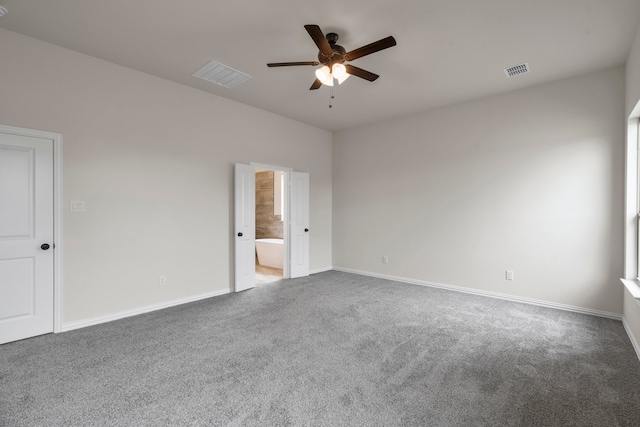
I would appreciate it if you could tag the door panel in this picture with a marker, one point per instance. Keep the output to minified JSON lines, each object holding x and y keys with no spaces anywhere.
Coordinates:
{"x":26,"y":222}
{"x":245,"y":227}
{"x":299,"y":224}
{"x":17,"y":301}
{"x":16,"y":169}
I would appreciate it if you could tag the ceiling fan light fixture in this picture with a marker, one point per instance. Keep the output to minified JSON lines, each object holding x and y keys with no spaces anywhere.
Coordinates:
{"x":340,"y":73}
{"x":324,"y":75}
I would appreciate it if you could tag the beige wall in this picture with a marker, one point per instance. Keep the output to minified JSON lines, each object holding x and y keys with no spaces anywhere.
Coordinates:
{"x":632,"y":94}
{"x":631,"y":312}
{"x":153,"y":162}
{"x":632,"y":319}
{"x":529,"y":181}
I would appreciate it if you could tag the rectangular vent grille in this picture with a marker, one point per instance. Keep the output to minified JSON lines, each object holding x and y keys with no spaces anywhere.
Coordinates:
{"x":517,"y":70}
{"x":220,"y":74}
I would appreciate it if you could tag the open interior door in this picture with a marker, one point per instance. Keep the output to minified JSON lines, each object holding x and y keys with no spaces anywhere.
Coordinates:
{"x":299,"y":221}
{"x":26,"y":237}
{"x":245,"y":227}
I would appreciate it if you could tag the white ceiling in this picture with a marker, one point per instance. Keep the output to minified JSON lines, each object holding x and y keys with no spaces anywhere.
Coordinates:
{"x":448,"y":50}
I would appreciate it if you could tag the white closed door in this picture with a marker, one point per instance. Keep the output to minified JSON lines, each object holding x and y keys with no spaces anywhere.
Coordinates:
{"x":299,"y":224}
{"x":26,"y":237}
{"x":245,"y":227}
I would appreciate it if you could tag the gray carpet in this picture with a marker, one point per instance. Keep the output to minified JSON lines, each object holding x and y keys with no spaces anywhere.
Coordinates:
{"x":334,"y":349}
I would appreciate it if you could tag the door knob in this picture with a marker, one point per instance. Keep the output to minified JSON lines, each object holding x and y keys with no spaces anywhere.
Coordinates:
{"x":306,"y":230}
{"x":239,"y":234}
{"x":44,"y":246}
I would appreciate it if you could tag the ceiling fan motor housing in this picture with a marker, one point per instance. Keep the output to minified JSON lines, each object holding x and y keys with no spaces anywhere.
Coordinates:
{"x":337,"y":57}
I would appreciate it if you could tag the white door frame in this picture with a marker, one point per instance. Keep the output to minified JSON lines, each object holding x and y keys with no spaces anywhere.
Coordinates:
{"x":56,"y":140}
{"x":286,"y":261}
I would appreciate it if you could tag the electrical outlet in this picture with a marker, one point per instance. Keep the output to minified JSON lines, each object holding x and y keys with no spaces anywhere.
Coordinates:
{"x":385,"y":259}
{"x":508,"y":275}
{"x":162,"y":280}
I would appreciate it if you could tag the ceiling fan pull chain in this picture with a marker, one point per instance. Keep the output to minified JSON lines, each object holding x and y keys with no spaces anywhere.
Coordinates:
{"x":330,"y":96}
{"x":331,"y":93}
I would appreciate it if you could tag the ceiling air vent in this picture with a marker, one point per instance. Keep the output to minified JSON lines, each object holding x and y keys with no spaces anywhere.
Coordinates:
{"x":220,"y":74}
{"x":517,"y":70}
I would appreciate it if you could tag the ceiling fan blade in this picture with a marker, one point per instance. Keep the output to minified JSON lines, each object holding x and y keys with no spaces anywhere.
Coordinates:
{"x":370,"y":48}
{"x":319,"y":39}
{"x":316,"y":84}
{"x":289,"y":64}
{"x":359,"y":72}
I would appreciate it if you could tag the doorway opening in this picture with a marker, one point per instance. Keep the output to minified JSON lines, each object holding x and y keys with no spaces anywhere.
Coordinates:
{"x":295,"y":224}
{"x":271,"y":224}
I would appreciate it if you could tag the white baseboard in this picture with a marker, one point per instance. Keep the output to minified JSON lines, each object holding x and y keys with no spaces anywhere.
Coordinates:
{"x":136,"y":311}
{"x":541,"y":303}
{"x":320,"y":270}
{"x":636,"y":347}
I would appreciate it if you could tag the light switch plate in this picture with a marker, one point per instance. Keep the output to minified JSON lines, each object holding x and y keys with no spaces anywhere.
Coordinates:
{"x":77,"y":206}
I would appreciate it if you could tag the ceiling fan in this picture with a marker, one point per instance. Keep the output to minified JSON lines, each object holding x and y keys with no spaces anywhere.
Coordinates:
{"x":333,"y":57}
